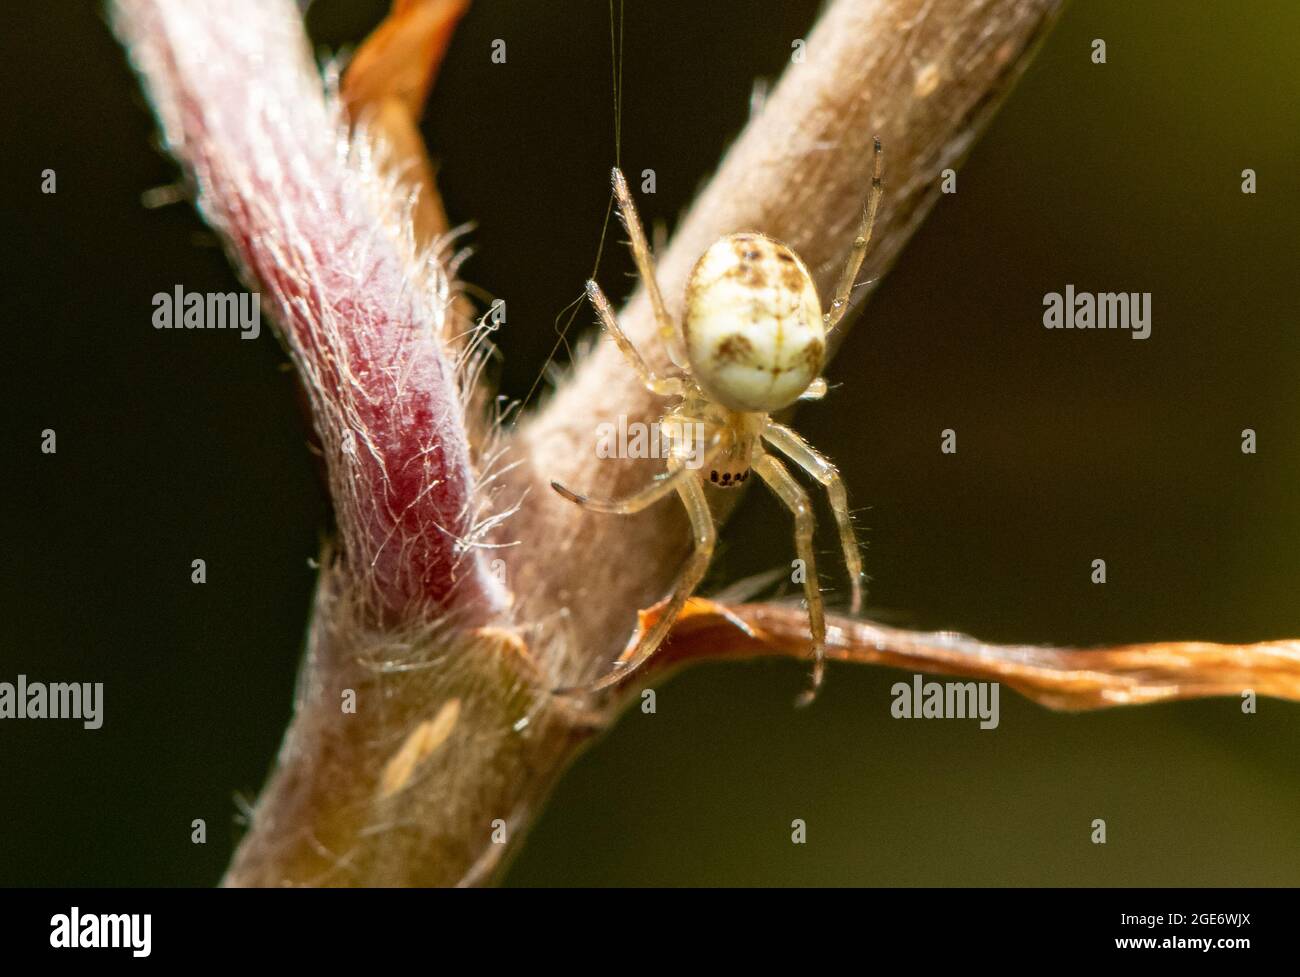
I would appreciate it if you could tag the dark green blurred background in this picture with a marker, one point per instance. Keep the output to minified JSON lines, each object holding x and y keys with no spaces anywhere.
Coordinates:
{"x":1072,"y":446}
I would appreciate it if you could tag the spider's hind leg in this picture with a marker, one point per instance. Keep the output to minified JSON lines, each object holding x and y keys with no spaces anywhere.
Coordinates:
{"x":844,"y":290}
{"x":664,"y":386}
{"x":669,"y":332}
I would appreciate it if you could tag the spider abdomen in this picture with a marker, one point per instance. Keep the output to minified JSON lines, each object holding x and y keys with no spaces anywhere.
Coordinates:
{"x":753,"y":324}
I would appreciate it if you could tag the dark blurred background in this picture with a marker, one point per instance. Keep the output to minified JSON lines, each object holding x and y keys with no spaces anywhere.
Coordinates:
{"x":1072,"y":446}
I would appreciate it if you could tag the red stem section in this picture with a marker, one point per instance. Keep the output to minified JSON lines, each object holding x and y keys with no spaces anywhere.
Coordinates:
{"x":311,"y":217}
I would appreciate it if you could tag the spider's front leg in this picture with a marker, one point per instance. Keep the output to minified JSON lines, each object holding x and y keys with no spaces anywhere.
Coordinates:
{"x":659,"y":487}
{"x":694,"y":445}
{"x":689,"y":487}
{"x":790,"y":444}
{"x":683,"y":465}
{"x":795,"y":498}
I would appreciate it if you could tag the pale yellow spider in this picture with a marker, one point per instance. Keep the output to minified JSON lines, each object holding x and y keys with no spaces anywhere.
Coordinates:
{"x":752,"y":342}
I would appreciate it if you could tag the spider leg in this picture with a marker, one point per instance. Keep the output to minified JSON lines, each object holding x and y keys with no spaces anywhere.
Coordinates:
{"x":702,"y":528}
{"x":819,"y":467}
{"x":659,"y":487}
{"x":816,"y":390}
{"x":680,"y":466}
{"x":840,"y":303}
{"x":664,"y":386}
{"x":645,"y":266}
{"x":796,"y":500}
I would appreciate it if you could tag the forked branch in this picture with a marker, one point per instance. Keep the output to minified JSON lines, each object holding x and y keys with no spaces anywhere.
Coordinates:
{"x":456,"y":737}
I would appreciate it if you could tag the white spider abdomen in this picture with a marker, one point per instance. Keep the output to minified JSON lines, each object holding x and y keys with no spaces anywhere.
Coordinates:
{"x":753,"y":324}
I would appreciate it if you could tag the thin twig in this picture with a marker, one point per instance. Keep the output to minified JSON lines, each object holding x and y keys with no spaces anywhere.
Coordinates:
{"x":1059,"y":678}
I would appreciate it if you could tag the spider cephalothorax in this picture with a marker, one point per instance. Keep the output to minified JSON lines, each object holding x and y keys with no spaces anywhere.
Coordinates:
{"x":752,"y":341}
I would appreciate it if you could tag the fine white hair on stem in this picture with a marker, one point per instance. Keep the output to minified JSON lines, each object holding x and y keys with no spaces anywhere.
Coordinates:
{"x":408,"y":618}
{"x":315,"y":213}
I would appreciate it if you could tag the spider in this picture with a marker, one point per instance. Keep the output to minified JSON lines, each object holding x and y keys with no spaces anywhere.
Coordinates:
{"x":752,"y":341}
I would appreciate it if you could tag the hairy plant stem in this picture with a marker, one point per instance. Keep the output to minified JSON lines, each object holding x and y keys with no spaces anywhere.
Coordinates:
{"x":454,"y":740}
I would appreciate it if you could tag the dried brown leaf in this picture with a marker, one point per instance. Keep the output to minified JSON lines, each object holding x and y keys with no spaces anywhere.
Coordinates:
{"x":1060,"y":678}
